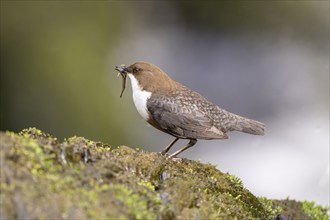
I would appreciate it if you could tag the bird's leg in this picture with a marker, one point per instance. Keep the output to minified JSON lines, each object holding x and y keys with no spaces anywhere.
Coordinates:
{"x":191,"y":143}
{"x":166,"y":149}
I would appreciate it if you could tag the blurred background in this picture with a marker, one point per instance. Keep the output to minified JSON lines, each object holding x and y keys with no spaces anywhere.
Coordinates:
{"x":265,"y":60}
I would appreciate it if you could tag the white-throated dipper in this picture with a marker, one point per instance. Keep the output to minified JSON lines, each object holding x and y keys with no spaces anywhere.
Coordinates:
{"x":179,"y":111}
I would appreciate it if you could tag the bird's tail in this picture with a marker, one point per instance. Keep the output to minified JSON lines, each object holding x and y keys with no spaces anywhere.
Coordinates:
{"x":246,"y":125}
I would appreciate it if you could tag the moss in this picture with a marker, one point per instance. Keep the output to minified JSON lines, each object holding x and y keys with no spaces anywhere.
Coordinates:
{"x":135,"y":203}
{"x":270,"y":207}
{"x":314,"y":211}
{"x":237,"y":181}
{"x":81,"y":179}
{"x":302,"y":210}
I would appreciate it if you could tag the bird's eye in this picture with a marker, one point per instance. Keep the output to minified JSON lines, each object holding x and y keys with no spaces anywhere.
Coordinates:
{"x":136,"y":69}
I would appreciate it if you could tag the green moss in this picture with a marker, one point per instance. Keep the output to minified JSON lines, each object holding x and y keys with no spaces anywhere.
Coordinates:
{"x":82,"y":179}
{"x":270,"y":207}
{"x":302,"y":210}
{"x":137,"y":207}
{"x":314,"y":211}
{"x":237,"y":181}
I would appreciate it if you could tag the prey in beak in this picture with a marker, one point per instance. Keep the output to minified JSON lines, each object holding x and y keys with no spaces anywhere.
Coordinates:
{"x":123,"y":72}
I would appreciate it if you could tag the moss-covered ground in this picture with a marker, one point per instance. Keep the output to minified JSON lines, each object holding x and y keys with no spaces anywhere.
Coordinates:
{"x":42,"y":178}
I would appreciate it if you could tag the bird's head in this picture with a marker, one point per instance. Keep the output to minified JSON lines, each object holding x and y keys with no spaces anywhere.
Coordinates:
{"x":148,"y":76}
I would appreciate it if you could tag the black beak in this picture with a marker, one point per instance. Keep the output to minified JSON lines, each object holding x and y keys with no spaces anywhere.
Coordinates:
{"x":121,"y":69}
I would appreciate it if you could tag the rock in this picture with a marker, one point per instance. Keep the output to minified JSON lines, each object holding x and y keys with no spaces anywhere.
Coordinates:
{"x":42,"y":178}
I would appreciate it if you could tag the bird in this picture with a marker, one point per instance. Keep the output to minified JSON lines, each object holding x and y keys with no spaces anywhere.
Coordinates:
{"x":177,"y":110}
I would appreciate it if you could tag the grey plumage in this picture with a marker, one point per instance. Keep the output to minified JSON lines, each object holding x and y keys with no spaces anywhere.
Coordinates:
{"x":187,"y":114}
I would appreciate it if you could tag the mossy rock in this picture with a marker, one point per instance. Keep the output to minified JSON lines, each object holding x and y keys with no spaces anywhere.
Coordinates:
{"x":42,"y":178}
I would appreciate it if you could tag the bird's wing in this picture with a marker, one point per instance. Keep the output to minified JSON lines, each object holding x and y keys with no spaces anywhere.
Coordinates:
{"x":182,"y":120}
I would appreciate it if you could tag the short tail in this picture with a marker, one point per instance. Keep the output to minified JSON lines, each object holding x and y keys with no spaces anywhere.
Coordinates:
{"x":246,"y":125}
{"x":251,"y":126}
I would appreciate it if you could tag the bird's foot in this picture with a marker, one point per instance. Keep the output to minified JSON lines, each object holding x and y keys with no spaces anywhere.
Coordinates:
{"x":172,"y":157}
{"x":164,"y":153}
{"x":176,"y":159}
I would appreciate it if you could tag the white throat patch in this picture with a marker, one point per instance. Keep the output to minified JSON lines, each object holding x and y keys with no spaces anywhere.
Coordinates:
{"x":140,"y":98}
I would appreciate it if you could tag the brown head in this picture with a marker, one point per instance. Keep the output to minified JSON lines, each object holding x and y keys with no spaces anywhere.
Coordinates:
{"x":150,"y":77}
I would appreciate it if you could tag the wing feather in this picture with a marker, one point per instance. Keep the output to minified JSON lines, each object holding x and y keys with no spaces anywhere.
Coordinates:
{"x":182,"y":120}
